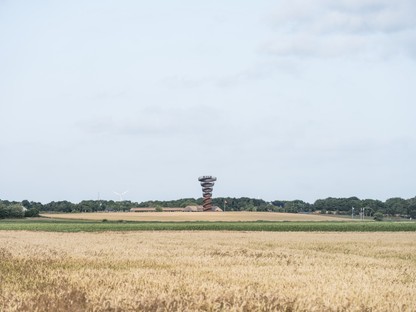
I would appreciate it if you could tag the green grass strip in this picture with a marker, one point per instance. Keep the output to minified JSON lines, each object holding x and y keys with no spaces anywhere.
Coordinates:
{"x":96,"y":226}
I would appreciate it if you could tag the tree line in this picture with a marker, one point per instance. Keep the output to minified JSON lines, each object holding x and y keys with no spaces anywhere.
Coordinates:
{"x":391,"y":207}
{"x":12,"y":209}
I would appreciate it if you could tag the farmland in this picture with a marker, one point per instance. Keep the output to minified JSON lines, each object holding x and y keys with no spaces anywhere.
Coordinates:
{"x":71,"y":225}
{"x":196,"y":216}
{"x":241,"y":271}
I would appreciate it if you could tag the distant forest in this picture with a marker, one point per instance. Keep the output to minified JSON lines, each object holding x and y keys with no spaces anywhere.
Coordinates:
{"x":396,"y":206}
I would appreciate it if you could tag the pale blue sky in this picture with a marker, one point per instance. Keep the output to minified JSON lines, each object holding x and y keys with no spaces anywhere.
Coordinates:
{"x":279,"y":99}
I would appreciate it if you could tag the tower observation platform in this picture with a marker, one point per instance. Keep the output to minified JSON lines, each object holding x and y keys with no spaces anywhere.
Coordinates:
{"x":207,"y":183}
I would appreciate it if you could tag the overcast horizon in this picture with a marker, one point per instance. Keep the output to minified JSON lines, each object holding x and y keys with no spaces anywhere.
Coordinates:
{"x":277,"y":99}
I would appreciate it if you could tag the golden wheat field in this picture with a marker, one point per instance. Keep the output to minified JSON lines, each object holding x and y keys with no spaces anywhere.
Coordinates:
{"x":196,"y":216}
{"x":207,"y":271}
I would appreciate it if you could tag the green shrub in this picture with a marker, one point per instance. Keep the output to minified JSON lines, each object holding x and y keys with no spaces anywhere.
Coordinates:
{"x":11,"y":211}
{"x":30,"y":213}
{"x":378,"y":216}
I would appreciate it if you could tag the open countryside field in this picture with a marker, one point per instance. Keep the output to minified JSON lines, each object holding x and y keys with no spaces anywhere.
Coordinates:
{"x":232,"y":271}
{"x":72,"y":225}
{"x":196,"y":216}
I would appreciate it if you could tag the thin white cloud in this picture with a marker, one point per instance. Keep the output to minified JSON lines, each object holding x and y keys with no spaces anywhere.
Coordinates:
{"x":155,"y":121}
{"x":324,"y":28}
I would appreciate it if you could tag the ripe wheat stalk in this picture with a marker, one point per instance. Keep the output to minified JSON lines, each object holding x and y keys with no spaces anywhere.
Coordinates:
{"x":207,"y":271}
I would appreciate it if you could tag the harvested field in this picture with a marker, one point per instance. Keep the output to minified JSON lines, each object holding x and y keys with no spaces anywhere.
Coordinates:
{"x":196,"y":216}
{"x":182,"y":271}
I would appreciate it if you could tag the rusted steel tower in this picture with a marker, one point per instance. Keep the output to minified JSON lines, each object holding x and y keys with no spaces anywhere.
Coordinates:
{"x":207,"y":183}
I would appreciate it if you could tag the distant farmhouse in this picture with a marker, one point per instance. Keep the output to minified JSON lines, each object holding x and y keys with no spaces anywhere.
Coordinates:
{"x":200,"y":208}
{"x":194,"y":208}
{"x":153,"y":209}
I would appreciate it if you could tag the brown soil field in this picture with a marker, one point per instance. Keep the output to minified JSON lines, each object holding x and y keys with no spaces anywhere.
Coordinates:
{"x":207,"y":271}
{"x":196,"y":216}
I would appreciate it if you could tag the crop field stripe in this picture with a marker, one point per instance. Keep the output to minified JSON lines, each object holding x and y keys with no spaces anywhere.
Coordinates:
{"x":89,"y":226}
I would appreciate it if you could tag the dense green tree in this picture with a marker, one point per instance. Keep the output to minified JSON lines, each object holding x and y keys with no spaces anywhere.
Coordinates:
{"x":36,"y":205}
{"x":278,"y":203}
{"x":248,"y":207}
{"x":11,"y":211}
{"x":88,"y":206}
{"x":396,"y":206}
{"x":3,"y":211}
{"x":32,"y":212}
{"x":60,"y":206}
{"x":296,"y":206}
{"x":372,"y":206}
{"x":26,"y":204}
{"x":411,"y":207}
{"x":378,"y":216}
{"x":341,"y":205}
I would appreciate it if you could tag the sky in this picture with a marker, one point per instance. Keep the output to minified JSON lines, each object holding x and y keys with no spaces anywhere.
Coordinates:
{"x":284,"y":99}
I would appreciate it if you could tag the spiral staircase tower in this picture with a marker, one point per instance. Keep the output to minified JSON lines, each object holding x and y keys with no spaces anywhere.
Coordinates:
{"x":207,"y":183}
